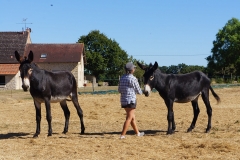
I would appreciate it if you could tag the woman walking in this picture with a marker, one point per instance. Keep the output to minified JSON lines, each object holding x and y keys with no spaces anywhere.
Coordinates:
{"x":129,"y":87}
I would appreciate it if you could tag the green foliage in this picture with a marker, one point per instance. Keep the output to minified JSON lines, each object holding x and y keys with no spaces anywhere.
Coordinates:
{"x":190,"y":68}
{"x":100,"y":83}
{"x":219,"y":80}
{"x":228,"y":80}
{"x":138,"y":72}
{"x":226,"y":49}
{"x":105,"y":58}
{"x":163,"y":69}
{"x":181,"y":69}
{"x":173,"y":69}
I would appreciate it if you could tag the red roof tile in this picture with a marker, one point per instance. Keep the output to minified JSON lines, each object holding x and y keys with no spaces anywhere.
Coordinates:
{"x":9,"y":69}
{"x":56,"y":52}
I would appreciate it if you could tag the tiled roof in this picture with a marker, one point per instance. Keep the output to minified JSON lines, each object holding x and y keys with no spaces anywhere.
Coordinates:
{"x":9,"y":43}
{"x":56,"y":52}
{"x":9,"y":69}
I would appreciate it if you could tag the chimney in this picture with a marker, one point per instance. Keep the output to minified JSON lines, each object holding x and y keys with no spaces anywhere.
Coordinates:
{"x":28,"y":30}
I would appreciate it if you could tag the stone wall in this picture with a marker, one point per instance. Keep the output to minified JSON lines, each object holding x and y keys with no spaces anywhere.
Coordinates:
{"x":72,"y":67}
{"x":11,"y":82}
{"x":77,"y":69}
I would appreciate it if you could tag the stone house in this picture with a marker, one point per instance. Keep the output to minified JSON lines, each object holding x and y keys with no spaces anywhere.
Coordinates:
{"x":52,"y":57}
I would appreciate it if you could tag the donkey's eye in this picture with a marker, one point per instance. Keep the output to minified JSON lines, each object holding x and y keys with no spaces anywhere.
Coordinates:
{"x":151,"y":78}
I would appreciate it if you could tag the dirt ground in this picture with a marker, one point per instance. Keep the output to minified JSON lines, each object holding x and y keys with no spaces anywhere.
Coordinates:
{"x":104,"y":118}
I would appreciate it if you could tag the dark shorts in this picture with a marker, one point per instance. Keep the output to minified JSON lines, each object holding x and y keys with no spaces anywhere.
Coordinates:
{"x":132,"y":105}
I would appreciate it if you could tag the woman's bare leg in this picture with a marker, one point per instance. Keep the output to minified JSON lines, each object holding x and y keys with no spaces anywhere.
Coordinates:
{"x":130,"y":119}
{"x":133,"y":124}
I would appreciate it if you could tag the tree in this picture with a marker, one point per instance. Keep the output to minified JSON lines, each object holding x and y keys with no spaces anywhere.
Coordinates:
{"x":163,"y":69}
{"x":226,"y":49}
{"x":181,"y":69}
{"x":105,"y":58}
{"x":173,"y":69}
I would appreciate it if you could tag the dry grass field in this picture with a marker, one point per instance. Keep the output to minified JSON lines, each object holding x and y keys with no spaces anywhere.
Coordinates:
{"x":104,"y":118}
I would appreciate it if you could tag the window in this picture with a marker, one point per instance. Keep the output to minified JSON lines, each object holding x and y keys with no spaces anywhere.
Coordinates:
{"x":43,"y":55}
{"x":2,"y":80}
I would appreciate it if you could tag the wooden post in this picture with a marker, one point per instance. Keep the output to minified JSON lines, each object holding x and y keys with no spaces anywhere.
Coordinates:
{"x":93,"y":84}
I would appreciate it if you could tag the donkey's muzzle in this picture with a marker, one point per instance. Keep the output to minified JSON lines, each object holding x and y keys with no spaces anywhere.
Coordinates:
{"x":25,"y":84}
{"x":146,"y":93}
{"x":147,"y":90}
{"x":25,"y":88}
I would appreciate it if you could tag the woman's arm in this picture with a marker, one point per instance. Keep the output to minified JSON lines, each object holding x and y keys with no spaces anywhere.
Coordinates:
{"x":136,"y":86}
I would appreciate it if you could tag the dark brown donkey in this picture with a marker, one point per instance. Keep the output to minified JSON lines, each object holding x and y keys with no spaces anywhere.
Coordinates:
{"x":180,"y":88}
{"x":46,"y":87}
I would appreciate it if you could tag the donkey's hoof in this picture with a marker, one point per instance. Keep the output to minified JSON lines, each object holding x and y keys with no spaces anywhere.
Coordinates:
{"x":170,"y":132}
{"x":189,"y":130}
{"x":82,"y":130}
{"x":208,"y":130}
{"x":49,"y":134}
{"x":35,"y":135}
{"x":64,"y":132}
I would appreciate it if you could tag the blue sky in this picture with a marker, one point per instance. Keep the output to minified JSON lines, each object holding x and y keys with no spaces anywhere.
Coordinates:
{"x":169,"y":32}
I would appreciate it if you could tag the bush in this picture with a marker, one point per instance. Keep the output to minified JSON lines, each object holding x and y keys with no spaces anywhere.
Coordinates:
{"x":100,"y":83}
{"x":112,"y":82}
{"x":228,"y":80}
{"x":219,"y":80}
{"x":213,"y":80}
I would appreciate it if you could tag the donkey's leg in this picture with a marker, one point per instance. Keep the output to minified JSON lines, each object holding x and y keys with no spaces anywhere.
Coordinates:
{"x":173,"y":122}
{"x":170,"y":117}
{"x":195,"y":114}
{"x":38,"y":118}
{"x":48,"y":116}
{"x":205,"y":97}
{"x":66,"y":114}
{"x":79,"y":111}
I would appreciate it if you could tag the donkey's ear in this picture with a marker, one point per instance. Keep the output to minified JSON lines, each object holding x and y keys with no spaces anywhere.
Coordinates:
{"x":17,"y":56}
{"x":155,"y":66}
{"x":141,"y":66}
{"x":30,"y":56}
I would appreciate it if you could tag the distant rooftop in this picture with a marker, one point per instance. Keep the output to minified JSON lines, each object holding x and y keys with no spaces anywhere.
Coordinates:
{"x":9,"y":43}
{"x":56,"y":52}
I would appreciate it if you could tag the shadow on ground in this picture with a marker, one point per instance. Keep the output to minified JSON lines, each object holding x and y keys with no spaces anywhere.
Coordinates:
{"x":13,"y":135}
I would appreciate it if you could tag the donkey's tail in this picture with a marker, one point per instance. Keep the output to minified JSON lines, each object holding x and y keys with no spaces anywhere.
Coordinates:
{"x":215,"y":95}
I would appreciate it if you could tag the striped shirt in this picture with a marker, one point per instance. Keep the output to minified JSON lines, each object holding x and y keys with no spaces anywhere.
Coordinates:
{"x":128,"y":87}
